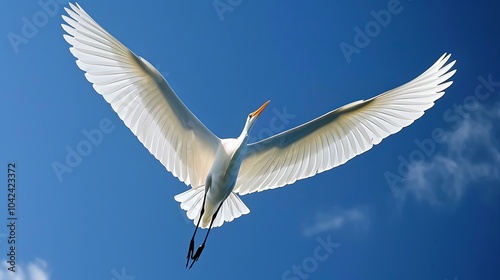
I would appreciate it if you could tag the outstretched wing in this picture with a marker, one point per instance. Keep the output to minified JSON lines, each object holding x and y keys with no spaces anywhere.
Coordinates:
{"x":341,"y":134}
{"x":142,"y":98}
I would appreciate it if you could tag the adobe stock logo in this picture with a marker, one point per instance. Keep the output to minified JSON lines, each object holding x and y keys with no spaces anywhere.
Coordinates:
{"x":310,"y":264}
{"x":487,"y":90}
{"x":223,"y":6}
{"x":74,"y":156}
{"x":122,"y":275}
{"x":30,"y":26}
{"x":363,"y":37}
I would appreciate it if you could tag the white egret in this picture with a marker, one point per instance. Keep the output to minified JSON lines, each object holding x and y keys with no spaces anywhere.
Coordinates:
{"x":219,"y":169}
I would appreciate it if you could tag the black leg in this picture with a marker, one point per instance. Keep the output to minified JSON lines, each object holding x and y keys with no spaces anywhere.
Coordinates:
{"x":202,"y":246}
{"x":191,"y":243}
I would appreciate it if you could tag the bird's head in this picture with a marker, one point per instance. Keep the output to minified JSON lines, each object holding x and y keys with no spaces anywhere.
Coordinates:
{"x":252,"y":118}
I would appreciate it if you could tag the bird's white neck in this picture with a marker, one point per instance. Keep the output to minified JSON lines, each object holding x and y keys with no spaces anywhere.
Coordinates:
{"x":243,"y":138}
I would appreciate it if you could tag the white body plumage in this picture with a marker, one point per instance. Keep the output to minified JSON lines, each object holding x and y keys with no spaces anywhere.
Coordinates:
{"x":222,"y":176}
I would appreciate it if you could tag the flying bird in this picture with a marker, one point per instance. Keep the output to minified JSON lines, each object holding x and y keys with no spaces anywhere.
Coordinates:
{"x":221,"y":170}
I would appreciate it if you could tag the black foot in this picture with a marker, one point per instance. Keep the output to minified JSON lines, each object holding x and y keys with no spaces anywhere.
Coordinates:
{"x":197,"y":254}
{"x":190,"y":252}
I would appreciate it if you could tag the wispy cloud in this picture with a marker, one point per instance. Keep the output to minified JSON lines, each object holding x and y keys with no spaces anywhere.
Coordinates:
{"x":470,"y":157}
{"x":36,"y":270}
{"x":355,"y":218}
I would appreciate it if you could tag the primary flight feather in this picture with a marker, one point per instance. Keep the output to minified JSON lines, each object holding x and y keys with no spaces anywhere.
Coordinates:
{"x":218,"y":170}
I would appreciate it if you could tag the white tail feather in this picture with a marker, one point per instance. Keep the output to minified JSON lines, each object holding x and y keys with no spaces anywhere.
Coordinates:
{"x":192,"y":200}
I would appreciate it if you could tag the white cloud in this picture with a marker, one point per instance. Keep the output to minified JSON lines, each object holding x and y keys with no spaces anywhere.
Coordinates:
{"x":36,"y":270}
{"x":336,"y":219}
{"x":470,"y":157}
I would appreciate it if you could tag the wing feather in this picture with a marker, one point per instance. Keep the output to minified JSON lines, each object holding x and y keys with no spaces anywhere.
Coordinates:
{"x":338,"y":136}
{"x":142,"y":98}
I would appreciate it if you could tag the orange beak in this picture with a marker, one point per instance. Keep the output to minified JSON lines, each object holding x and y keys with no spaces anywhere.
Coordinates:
{"x":258,"y":111}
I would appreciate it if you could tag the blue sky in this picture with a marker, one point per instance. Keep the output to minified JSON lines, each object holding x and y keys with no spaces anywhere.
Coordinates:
{"x":410,"y":208}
